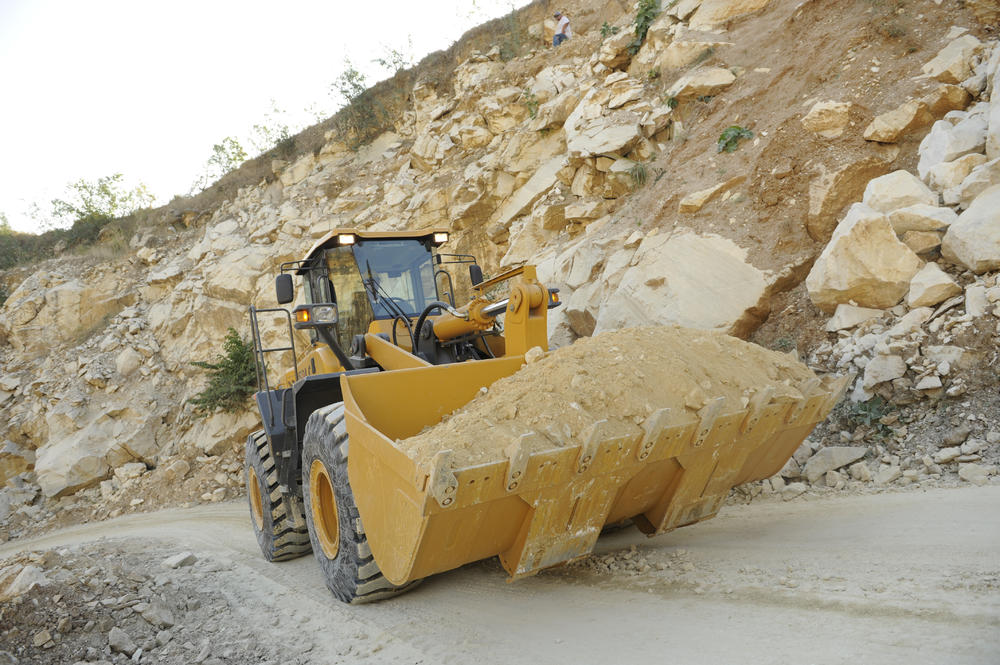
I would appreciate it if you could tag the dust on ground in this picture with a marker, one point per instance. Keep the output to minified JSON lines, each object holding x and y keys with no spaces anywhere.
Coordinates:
{"x":113,"y":602}
{"x":622,"y":376}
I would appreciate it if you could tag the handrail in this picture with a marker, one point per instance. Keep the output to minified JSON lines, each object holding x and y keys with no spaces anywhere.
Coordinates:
{"x":259,"y":352}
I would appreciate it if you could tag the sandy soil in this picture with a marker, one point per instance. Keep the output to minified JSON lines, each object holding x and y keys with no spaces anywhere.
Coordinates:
{"x":622,"y":376}
{"x":904,"y":577}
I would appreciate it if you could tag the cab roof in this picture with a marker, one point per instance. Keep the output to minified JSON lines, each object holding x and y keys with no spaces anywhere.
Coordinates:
{"x":331,"y":239}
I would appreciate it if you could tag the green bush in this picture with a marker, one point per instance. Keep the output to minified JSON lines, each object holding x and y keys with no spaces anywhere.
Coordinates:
{"x":729,"y":140}
{"x":644,"y":17}
{"x":639,"y":174}
{"x":231,"y":379}
{"x":530,"y":102}
{"x":608,"y":30}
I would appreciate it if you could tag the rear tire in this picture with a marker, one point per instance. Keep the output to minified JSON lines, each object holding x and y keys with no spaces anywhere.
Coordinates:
{"x":335,"y":530}
{"x":273,"y":519}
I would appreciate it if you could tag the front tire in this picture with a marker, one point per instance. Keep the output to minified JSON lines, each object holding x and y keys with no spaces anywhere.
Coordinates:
{"x":274,"y":519}
{"x":335,"y":530}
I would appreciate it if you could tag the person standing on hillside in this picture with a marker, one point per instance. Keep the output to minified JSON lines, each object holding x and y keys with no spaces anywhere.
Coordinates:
{"x":563,"y":31}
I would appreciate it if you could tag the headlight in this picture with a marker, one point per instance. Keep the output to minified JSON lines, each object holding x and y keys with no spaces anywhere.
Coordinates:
{"x":324,"y":314}
{"x":314,"y":316}
{"x":440,"y":238}
{"x":345,"y":239}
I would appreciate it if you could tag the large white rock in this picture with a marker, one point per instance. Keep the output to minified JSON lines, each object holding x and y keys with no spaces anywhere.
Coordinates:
{"x":930,"y":286}
{"x":921,"y":217}
{"x":947,"y":142}
{"x":953,"y":63}
{"x":891,"y":126}
{"x":947,"y":175}
{"x":830,"y":459}
{"x":973,"y":240}
{"x":528,"y":193}
{"x":848,"y":316}
{"x":701,"y":82}
{"x":713,"y":13}
{"x":827,"y":119}
{"x":993,"y":122}
{"x":896,"y":190}
{"x":689,"y":280}
{"x":883,"y":368}
{"x":863,"y":262}
{"x":980,"y":179}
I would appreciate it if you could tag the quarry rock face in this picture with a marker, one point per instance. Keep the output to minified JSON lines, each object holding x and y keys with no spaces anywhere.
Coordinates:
{"x":864,"y":262}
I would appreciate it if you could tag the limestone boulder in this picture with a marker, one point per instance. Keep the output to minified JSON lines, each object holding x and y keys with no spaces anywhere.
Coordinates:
{"x":973,"y":240}
{"x":864,"y":262}
{"x":849,"y":316}
{"x":899,"y":189}
{"x":554,"y":112}
{"x":948,"y":175}
{"x":613,"y":52}
{"x":831,"y":458}
{"x":833,"y":189}
{"x":953,"y":63}
{"x":922,"y":242}
{"x":993,"y":124}
{"x":430,"y":148}
{"x":695,"y":201}
{"x":921,"y":217}
{"x":947,"y":142}
{"x":551,"y":82}
{"x":234,"y":276}
{"x":890,"y":127}
{"x":690,"y":280}
{"x":602,"y":136}
{"x":521,"y":200}
{"x":220,"y":431}
{"x":827,"y":119}
{"x":14,"y":459}
{"x":931,"y":286}
{"x":945,"y":98}
{"x":883,"y":368}
{"x":980,"y":179}
{"x":714,"y":13}
{"x":701,"y":82}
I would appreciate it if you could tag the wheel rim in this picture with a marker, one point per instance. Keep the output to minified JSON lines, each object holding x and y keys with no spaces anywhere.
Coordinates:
{"x":323,"y":505}
{"x":256,"y":503}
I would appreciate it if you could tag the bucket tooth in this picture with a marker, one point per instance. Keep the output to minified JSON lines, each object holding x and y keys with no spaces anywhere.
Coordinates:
{"x":442,"y":483}
{"x":653,"y":428}
{"x":518,"y":455}
{"x":707,"y":416}
{"x":755,"y":409}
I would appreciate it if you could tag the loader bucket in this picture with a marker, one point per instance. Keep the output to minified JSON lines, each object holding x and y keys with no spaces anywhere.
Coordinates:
{"x":545,"y":508}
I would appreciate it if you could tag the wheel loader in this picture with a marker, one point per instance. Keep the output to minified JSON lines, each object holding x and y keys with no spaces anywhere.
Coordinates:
{"x":390,"y":353}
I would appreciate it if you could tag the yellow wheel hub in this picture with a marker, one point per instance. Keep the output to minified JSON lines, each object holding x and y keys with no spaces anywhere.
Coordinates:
{"x":256,"y":504}
{"x":323,"y":504}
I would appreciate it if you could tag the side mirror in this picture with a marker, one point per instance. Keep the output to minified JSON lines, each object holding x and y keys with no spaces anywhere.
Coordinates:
{"x":475,"y":274}
{"x":284,"y":289}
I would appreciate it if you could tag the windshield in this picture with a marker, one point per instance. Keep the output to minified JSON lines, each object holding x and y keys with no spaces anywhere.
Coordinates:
{"x":396,"y":271}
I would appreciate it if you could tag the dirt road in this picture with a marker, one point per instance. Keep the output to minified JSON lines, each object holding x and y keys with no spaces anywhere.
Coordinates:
{"x":908,"y":577}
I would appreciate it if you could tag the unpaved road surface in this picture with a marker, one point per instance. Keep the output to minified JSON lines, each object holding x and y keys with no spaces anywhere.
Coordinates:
{"x":909,"y":577}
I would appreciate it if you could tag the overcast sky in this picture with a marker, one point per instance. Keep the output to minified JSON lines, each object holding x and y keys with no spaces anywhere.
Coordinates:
{"x":89,"y":88}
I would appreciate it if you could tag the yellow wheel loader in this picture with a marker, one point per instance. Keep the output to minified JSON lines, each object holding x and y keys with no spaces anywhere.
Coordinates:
{"x":390,"y":353}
